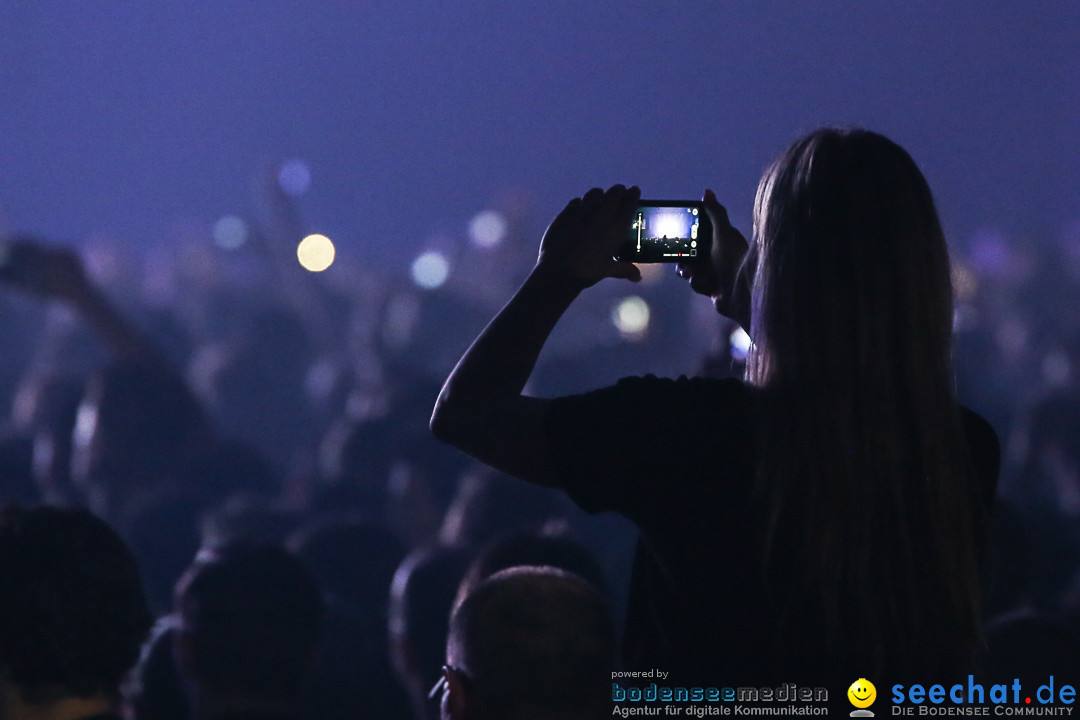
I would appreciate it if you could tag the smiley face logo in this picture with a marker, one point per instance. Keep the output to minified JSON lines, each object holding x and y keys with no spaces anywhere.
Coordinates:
{"x":862,"y":693}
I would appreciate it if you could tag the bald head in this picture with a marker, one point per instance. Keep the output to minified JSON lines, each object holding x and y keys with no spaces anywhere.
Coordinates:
{"x":533,"y":642}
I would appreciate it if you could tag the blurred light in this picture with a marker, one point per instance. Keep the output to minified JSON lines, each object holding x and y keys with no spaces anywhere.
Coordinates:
{"x":1056,"y":368}
{"x":315,"y":253}
{"x":321,"y":380}
{"x":402,"y":312}
{"x":631,"y":317}
{"x":1011,"y":336}
{"x":739,"y":342}
{"x":965,"y":317}
{"x":964,"y":283}
{"x":230,"y":232}
{"x":86,"y":418}
{"x":104,"y":260}
{"x":430,"y":270}
{"x":487,"y":229}
{"x":294,"y":177}
{"x":990,"y":252}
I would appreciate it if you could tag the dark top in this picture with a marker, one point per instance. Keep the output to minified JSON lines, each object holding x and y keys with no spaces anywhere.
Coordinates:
{"x":677,"y":457}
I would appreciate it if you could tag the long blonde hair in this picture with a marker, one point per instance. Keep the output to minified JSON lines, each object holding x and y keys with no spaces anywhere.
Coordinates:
{"x":863,"y":463}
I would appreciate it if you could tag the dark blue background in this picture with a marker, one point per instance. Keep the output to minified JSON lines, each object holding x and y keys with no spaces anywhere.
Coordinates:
{"x":126,"y":117}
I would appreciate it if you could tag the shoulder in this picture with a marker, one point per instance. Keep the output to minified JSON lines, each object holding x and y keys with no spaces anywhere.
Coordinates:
{"x":662,"y":402}
{"x":653,"y":390}
{"x":610,"y":447}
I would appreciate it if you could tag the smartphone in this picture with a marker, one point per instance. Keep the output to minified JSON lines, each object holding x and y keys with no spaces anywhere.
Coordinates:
{"x":667,"y":231}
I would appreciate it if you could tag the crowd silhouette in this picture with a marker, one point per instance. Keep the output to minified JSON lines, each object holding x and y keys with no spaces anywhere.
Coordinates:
{"x":254,"y":439}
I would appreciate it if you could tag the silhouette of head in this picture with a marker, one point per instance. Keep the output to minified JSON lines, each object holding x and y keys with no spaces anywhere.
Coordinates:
{"x":537,"y":549}
{"x":529,"y":642}
{"x":421,"y":598}
{"x":72,"y":611}
{"x":845,"y":227}
{"x":134,"y":427}
{"x":248,"y":625}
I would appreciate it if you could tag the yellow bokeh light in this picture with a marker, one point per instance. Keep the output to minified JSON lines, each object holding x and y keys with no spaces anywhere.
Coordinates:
{"x":315,"y":253}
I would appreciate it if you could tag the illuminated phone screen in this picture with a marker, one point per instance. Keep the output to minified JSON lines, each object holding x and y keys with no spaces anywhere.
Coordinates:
{"x":663,"y":232}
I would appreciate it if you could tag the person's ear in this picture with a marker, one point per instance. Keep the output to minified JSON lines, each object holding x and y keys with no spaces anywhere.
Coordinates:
{"x":403,"y":655}
{"x":455,"y":702}
{"x":183,"y":652}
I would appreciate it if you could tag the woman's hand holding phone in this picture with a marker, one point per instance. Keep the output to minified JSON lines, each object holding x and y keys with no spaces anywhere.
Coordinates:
{"x":582,"y":239}
{"x":720,"y":275}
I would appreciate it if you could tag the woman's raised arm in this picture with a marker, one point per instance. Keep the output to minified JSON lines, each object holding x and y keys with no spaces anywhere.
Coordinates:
{"x":481,"y":409}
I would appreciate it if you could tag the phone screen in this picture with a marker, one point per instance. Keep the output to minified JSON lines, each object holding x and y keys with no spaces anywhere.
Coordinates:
{"x":663,"y":231}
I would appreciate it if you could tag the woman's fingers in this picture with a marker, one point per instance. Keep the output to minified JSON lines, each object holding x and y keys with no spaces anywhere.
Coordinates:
{"x":592,"y":198}
{"x":717,"y":212}
{"x":617,"y":206}
{"x":585,"y":236}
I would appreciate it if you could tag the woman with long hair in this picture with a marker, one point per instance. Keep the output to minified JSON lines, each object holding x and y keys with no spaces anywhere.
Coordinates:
{"x":822,"y":521}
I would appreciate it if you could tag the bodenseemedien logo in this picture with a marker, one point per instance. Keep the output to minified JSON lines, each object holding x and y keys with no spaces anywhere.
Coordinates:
{"x":862,"y":694}
{"x":696,"y":701}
